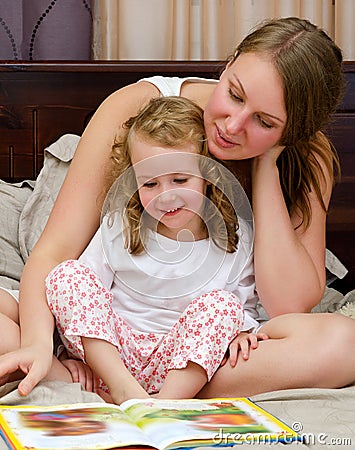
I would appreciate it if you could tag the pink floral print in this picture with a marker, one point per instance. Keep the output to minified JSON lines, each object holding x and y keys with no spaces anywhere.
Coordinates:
{"x":82,"y":306}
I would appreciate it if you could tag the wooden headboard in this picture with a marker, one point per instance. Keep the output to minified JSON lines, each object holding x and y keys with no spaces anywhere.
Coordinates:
{"x":39,"y":102}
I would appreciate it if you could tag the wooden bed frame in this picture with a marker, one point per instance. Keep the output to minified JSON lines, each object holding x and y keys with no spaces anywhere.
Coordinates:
{"x":39,"y":102}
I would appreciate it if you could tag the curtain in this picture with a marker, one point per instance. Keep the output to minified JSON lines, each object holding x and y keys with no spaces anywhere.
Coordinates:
{"x":204,"y":29}
{"x":345,"y":27}
{"x":45,"y":29}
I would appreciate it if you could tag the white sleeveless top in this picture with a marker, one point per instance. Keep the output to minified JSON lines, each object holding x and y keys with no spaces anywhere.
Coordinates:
{"x":171,"y":86}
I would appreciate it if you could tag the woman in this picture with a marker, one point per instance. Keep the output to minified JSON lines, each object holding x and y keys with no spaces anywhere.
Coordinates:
{"x":272,"y":100}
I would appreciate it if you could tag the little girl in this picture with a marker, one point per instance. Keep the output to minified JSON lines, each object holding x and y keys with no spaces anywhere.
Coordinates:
{"x":167,"y":281}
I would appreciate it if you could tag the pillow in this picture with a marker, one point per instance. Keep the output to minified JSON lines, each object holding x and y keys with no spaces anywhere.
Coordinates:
{"x":348,"y":309}
{"x":334,"y":268}
{"x":13,"y":197}
{"x":35,"y":213}
{"x":332,"y":301}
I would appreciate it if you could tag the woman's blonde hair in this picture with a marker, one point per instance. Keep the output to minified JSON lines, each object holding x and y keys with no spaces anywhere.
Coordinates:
{"x":171,"y":122}
{"x":309,"y":64}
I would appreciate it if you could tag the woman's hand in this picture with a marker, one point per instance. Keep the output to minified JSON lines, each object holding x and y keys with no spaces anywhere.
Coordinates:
{"x":82,"y":373}
{"x":270,"y":155}
{"x":242,"y":345}
{"x":30,"y":363}
{"x":289,"y":258}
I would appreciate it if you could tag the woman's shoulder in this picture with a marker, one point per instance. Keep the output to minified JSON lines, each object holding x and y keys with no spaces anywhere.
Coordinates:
{"x":115,"y":110}
{"x":135,"y":96}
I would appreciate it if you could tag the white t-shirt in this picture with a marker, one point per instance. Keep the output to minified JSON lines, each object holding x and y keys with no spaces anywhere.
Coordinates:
{"x":152,"y":289}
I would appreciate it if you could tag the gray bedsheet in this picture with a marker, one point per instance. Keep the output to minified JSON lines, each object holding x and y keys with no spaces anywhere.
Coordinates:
{"x":324,"y":417}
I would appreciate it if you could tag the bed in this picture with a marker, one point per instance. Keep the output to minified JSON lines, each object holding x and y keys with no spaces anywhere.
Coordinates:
{"x":44,"y":108}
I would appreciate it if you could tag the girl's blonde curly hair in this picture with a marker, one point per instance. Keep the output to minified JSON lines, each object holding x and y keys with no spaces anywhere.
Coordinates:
{"x":171,"y":122}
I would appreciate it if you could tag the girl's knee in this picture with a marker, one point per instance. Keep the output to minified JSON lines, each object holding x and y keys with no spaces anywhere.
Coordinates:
{"x":71,"y":280}
{"x":68,"y":268}
{"x":220,"y":306}
{"x":225,"y":302}
{"x":220,"y":296}
{"x":69,"y":274}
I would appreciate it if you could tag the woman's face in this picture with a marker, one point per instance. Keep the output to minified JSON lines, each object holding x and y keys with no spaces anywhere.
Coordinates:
{"x":245,"y":115}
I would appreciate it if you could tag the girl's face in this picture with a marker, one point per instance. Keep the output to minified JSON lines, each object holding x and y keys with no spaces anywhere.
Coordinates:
{"x":245,"y":115}
{"x":170,"y":188}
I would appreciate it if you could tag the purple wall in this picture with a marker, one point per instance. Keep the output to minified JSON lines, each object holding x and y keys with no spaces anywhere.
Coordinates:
{"x":45,"y":29}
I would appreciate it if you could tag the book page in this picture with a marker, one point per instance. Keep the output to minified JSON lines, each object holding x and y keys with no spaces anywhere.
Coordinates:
{"x":164,"y":424}
{"x":205,"y":422}
{"x":82,"y":426}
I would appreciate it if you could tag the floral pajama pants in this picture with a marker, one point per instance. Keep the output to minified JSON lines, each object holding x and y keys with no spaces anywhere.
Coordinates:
{"x":82,"y":306}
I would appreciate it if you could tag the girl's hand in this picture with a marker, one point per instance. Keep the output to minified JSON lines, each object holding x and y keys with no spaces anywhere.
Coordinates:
{"x":82,"y":373}
{"x":242,"y":344}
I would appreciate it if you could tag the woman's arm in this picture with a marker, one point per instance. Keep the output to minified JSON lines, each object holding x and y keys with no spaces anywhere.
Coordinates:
{"x":289,"y":261}
{"x":73,"y":221}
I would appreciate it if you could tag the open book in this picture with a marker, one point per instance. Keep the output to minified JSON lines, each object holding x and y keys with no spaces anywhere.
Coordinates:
{"x":161,"y":424}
